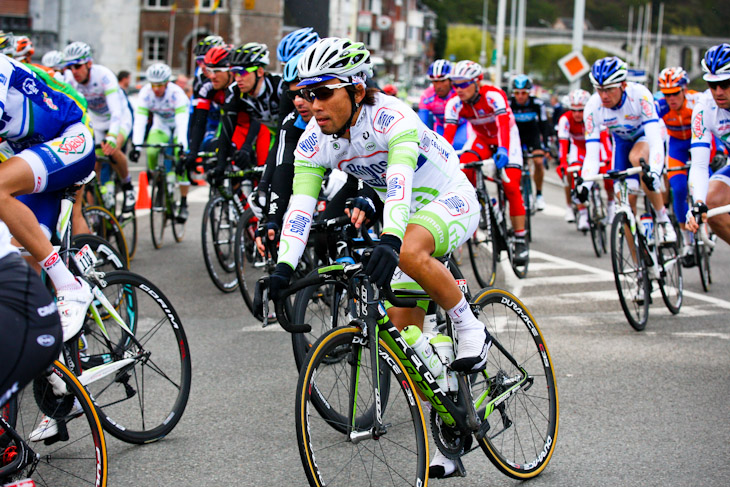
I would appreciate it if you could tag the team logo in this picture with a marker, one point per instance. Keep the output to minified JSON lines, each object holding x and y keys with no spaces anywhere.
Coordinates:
{"x":646,"y":108}
{"x":3,"y":78}
{"x":336,"y":145}
{"x":396,"y":188}
{"x":46,"y":340}
{"x":366,"y":135}
{"x":589,"y":124}
{"x":370,"y":146}
{"x":29,"y":87}
{"x":481,"y":112}
{"x":72,"y":145}
{"x":309,"y":147}
{"x":297,"y":225}
{"x":385,"y":119}
{"x":49,"y":102}
{"x":455,"y":204}
{"x":698,"y":125}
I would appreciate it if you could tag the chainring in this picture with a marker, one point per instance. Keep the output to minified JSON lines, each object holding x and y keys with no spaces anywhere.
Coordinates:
{"x":451,"y":442}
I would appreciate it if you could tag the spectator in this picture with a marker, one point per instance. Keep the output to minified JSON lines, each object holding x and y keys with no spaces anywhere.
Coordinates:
{"x":124,"y":78}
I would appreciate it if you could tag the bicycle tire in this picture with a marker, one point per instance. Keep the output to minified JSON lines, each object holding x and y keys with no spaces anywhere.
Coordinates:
{"x":397,"y":457}
{"x":520,"y":270}
{"x":595,"y":221}
{"x":178,"y":227}
{"x":630,"y":276}
{"x":671,"y":282}
{"x":142,"y":401}
{"x":103,"y":223}
{"x":483,"y":249}
{"x":526,"y":184}
{"x":250,"y":266}
{"x":77,"y":455}
{"x":128,"y":222}
{"x":158,"y":210}
{"x":218,"y":236}
{"x":702,"y":256}
{"x":532,"y":410}
{"x":108,"y":257}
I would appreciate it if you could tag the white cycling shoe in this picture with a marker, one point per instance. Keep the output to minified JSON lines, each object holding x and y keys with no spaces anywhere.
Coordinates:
{"x":48,"y":427}
{"x":72,"y":306}
{"x":569,"y":216}
{"x":667,"y":234}
{"x":441,"y":467}
{"x":472,"y":349}
{"x":540,"y":203}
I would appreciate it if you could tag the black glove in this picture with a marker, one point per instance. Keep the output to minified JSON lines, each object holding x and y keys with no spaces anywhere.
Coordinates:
{"x":278,"y":282}
{"x":243,"y":157}
{"x":581,"y":192}
{"x":365,"y":204}
{"x":263,"y":230}
{"x":133,"y":155}
{"x":215,"y":175}
{"x":180,"y":166}
{"x":384,"y":260}
{"x":190,"y":161}
{"x":652,"y":180}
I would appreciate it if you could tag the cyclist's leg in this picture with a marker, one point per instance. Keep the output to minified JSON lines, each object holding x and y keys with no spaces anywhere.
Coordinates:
{"x":475,"y":149}
{"x":718,"y":194}
{"x":121,"y":167}
{"x":640,"y":150}
{"x":153,"y":153}
{"x":678,"y":156}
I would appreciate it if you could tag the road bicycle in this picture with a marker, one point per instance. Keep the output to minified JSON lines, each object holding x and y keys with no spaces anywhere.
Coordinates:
{"x":165,"y":195}
{"x":75,"y":456}
{"x":227,"y":203}
{"x":597,"y":216}
{"x":637,"y":256}
{"x":705,"y":244}
{"x":529,"y":200}
{"x":494,"y":233}
{"x":359,"y":420}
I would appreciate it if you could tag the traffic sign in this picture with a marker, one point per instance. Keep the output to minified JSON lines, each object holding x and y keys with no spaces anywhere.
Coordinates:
{"x":574,"y":65}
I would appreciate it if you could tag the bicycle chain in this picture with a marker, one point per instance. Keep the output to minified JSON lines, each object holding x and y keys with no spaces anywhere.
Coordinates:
{"x":451,"y":442}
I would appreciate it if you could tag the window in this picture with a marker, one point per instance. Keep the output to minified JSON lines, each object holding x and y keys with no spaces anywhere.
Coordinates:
{"x":155,"y":47}
{"x":158,"y":3}
{"x":210,"y":4}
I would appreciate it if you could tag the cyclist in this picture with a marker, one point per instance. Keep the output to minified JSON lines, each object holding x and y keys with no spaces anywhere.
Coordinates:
{"x":532,"y":123}
{"x":169,"y":107}
{"x":108,"y":111}
{"x":51,"y":154}
{"x":572,"y":149}
{"x":30,"y":328}
{"x":628,"y":112}
{"x":675,"y":108}
{"x":488,"y":111}
{"x":433,"y":101}
{"x":711,"y":115}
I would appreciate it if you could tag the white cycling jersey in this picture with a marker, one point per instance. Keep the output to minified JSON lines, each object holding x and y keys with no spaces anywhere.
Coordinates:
{"x":107,"y":107}
{"x":170,"y":113}
{"x":707,"y":120}
{"x":634,"y":117}
{"x":5,"y":246}
{"x":390,"y":149}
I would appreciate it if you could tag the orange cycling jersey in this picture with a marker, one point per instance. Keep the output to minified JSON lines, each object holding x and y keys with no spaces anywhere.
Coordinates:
{"x":678,"y":121}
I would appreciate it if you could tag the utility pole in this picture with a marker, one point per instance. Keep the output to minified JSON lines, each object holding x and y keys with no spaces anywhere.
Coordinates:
{"x":579,"y":13}
{"x":499,"y":45}
{"x":512,"y":34}
{"x":520,"y":47}
{"x":483,"y":53}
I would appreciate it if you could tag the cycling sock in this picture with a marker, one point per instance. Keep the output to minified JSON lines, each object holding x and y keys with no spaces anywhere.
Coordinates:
{"x":60,"y":275}
{"x":520,"y":233}
{"x":127,"y":183}
{"x":472,"y":336}
{"x":662,"y":216}
{"x":183,"y":201}
{"x":538,"y":192}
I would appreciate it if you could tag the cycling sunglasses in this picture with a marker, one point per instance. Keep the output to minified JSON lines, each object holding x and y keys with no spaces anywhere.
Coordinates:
{"x":724,"y":84}
{"x":462,"y":85}
{"x":292,"y":94}
{"x":217,"y":70}
{"x":243,"y":71}
{"x":76,"y":67}
{"x":323,"y":92}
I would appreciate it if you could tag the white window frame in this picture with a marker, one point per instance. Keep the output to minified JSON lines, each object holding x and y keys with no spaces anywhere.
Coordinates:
{"x":157,"y":6}
{"x":207,"y":5}
{"x":149,"y":37}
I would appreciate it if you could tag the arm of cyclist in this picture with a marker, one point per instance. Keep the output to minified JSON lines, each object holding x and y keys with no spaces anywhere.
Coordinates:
{"x":699,"y":171}
{"x":182,"y":119}
{"x":114,"y":102}
{"x":653,"y":133}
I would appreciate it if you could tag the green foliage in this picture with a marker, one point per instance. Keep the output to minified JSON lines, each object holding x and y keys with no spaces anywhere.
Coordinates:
{"x":465,"y":42}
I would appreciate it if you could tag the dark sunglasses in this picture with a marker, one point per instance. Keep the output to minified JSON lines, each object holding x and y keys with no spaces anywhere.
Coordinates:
{"x":292,"y":94}
{"x":243,"y":71}
{"x":76,"y":67}
{"x":463,"y":85}
{"x":724,"y":84}
{"x":323,"y":92}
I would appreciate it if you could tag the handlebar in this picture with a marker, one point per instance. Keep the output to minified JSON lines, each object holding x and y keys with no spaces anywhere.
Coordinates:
{"x":489,"y":168}
{"x":703,"y":228}
{"x":159,"y":146}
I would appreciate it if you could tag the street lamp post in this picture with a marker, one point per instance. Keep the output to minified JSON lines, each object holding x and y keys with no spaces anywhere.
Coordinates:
{"x":483,"y":53}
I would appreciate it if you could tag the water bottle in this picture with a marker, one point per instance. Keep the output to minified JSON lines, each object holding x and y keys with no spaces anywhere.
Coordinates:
{"x":497,"y":211}
{"x":444,"y":347}
{"x":647,"y":228}
{"x":171,"y":180}
{"x":419,"y":342}
{"x":108,"y":194}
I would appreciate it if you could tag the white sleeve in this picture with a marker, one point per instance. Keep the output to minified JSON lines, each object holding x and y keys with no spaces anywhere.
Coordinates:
{"x":593,"y":121}
{"x":182,"y":117}
{"x":114,"y":102}
{"x":700,"y":148}
{"x":141,"y":113}
{"x":653,"y":132}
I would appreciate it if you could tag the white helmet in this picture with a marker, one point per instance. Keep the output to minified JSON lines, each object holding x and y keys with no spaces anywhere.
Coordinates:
{"x":52,"y":59}
{"x":158,"y":73}
{"x":577,"y":99}
{"x":76,"y":53}
{"x":334,"y":57}
{"x":467,"y":70}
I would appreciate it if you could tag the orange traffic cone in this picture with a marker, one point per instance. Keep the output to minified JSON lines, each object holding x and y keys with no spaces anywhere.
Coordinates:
{"x":143,"y":194}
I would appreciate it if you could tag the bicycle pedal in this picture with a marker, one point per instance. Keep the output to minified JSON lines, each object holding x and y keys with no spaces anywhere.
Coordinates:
{"x":460,"y":470}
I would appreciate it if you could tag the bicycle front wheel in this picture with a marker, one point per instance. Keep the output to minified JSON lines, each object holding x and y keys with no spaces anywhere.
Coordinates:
{"x":352,"y":453}
{"x":250,"y":265}
{"x":671,"y":282}
{"x":158,"y":211}
{"x":630,"y":273}
{"x":702,"y":254}
{"x":523,"y":427}
{"x":178,"y":226}
{"x":483,"y":249}
{"x":140,"y":380}
{"x":527,"y":200}
{"x":69,"y":446}
{"x":218,"y":235}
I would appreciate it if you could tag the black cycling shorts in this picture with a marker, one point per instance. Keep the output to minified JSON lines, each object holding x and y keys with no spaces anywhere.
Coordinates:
{"x":531,"y":141}
{"x":30,"y":327}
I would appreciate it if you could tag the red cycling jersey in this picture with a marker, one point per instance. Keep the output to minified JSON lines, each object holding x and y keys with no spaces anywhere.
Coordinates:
{"x":490,"y":116}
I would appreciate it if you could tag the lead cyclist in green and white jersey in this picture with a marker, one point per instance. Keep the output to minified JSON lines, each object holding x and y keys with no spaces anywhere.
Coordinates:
{"x":430,"y":206}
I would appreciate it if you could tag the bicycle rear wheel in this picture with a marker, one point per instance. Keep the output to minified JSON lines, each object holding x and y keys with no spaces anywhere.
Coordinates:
{"x":158,"y":211}
{"x":523,"y":427}
{"x":630,"y":273}
{"x":218,"y":235}
{"x":140,"y":382}
{"x":349,"y":453}
{"x":76,"y":454}
{"x":483,"y":249}
{"x":702,"y":255}
{"x":101,"y":222}
{"x":597,"y":215}
{"x":250,"y":265}
{"x":526,"y":183}
{"x":671,"y":282}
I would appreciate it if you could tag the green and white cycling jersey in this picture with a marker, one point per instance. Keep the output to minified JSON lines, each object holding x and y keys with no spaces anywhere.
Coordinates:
{"x":414,"y":170}
{"x":170,"y":113}
{"x":107,"y":108}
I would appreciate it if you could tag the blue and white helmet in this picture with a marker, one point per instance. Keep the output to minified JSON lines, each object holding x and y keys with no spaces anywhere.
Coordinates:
{"x":77,"y":53}
{"x":290,"y":68}
{"x":296,"y":42}
{"x":716,"y":63}
{"x":608,"y":71}
{"x":522,"y":82}
{"x":334,"y":57}
{"x":440,"y":69}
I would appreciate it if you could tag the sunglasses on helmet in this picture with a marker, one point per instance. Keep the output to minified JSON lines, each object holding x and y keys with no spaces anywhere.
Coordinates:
{"x":323,"y":92}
